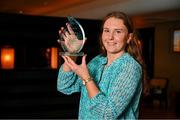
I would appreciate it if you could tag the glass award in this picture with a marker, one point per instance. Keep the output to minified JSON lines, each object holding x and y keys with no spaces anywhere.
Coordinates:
{"x":73,"y":44}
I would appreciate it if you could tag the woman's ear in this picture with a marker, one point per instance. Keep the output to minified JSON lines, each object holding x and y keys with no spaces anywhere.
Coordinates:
{"x":130,"y":36}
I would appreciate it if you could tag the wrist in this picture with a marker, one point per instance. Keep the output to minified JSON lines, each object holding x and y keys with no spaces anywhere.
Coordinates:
{"x":86,"y":81}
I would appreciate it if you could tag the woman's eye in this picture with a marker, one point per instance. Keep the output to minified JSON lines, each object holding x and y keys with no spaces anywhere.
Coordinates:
{"x":118,"y":31}
{"x":105,"y":30}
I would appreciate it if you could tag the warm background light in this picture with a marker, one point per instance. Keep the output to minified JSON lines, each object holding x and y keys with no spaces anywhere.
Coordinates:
{"x":7,"y":58}
{"x":54,"y":58}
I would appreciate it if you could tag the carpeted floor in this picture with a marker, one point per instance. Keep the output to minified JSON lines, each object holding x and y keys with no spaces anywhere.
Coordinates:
{"x":155,"y":112}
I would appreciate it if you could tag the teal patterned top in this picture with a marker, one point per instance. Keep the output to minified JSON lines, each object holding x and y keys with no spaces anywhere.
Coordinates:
{"x":119,"y":84}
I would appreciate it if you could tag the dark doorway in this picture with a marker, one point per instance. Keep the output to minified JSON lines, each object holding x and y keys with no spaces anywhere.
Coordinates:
{"x":147,"y":37}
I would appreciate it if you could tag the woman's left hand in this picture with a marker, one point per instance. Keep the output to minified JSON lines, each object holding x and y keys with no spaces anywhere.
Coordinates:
{"x":81,"y":70}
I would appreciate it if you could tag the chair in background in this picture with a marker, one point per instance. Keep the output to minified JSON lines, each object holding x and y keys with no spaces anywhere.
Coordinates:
{"x":158,"y":91}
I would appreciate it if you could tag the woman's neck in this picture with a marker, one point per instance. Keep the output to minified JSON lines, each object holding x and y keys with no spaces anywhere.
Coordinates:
{"x":112,"y":57}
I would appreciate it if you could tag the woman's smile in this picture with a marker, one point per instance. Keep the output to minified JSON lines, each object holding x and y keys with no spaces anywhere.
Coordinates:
{"x":111,"y":43}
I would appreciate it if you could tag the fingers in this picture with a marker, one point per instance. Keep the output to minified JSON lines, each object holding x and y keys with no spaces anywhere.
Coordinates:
{"x":69,"y":62}
{"x":78,"y":69}
{"x":65,"y":33}
{"x":70,"y":29}
{"x":62,"y":34}
{"x":65,"y":60}
{"x":84,"y":59}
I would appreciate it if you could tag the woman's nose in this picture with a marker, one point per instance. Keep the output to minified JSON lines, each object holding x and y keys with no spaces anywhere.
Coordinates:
{"x":111,"y":35}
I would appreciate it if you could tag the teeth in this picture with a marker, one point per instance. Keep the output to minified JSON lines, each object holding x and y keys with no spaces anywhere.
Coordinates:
{"x":111,"y":43}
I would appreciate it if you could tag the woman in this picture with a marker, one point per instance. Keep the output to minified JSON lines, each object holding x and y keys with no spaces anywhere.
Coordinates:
{"x":111,"y":83}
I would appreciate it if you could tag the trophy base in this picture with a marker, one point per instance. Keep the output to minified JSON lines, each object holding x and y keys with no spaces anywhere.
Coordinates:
{"x":71,"y":54}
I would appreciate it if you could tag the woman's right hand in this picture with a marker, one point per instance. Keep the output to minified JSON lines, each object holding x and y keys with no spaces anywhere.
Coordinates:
{"x":66,"y":68}
{"x":81,"y":70}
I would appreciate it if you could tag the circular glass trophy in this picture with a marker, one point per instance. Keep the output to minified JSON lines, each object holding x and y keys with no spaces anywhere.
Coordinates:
{"x":72,"y":38}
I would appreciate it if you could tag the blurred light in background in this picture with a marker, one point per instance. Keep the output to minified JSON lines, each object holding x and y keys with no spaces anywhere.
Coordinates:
{"x":54,"y":58}
{"x":7,"y":58}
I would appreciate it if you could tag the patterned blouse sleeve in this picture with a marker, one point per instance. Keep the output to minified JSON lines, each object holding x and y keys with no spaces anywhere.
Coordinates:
{"x":122,"y":90}
{"x":68,"y":82}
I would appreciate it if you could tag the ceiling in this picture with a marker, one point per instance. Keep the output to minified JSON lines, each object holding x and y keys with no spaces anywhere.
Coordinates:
{"x":143,"y":12}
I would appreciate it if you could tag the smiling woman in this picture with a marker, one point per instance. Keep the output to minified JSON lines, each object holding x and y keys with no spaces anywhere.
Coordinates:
{"x":111,"y":83}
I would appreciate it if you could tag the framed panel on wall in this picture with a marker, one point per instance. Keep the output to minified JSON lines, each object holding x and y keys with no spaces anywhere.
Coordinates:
{"x":176,"y":40}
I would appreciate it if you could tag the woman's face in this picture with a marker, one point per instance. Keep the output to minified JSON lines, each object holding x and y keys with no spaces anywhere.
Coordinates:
{"x":115,"y":36}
